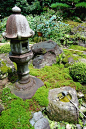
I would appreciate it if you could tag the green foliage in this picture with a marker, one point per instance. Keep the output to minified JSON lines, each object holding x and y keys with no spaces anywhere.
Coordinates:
{"x":6,"y":7}
{"x":41,"y":96}
{"x":37,"y":6}
{"x":48,"y":25}
{"x":78,"y":72}
{"x":81,"y":4}
{"x":78,"y":86}
{"x":59,"y":5}
{"x":5,"y":48}
{"x":3,"y":24}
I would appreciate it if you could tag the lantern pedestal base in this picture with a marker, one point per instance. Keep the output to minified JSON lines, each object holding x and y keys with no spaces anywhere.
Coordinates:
{"x":26,"y":91}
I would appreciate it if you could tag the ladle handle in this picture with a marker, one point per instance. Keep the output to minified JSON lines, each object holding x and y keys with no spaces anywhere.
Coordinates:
{"x":76,"y":107}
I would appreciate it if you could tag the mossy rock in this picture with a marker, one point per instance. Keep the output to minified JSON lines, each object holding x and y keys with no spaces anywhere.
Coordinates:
{"x":4,"y":70}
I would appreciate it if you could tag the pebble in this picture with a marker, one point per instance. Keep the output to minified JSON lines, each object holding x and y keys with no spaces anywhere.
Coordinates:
{"x":78,"y":126}
{"x":83,"y":109}
{"x":80,"y":95}
{"x":42,"y":124}
{"x":68,"y":126}
{"x":37,"y":116}
{"x":84,"y":127}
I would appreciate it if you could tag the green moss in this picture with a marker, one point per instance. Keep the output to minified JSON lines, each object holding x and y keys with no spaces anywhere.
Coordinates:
{"x":47,"y":84}
{"x":76,"y":47}
{"x":41,"y":96}
{"x":72,"y":23}
{"x":4,"y":69}
{"x":16,"y":114}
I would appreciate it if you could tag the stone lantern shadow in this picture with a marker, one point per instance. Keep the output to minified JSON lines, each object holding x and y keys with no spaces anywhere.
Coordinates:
{"x":18,"y":31}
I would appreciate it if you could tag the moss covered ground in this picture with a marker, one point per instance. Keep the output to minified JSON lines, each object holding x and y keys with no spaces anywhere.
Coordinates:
{"x":18,"y":112}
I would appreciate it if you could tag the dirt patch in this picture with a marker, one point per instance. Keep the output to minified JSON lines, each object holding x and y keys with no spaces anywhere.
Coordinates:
{"x":3,"y":83}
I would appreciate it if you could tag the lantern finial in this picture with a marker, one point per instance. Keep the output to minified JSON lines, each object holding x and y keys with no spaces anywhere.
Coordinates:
{"x":16,"y":9}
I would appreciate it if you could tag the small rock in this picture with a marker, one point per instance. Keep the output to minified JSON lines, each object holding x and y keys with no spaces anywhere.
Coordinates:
{"x":84,"y":121}
{"x":84,"y":53}
{"x":70,"y":60}
{"x":80,"y":95}
{"x":3,"y":82}
{"x":32,"y":122}
{"x":82,"y":109}
{"x":84,"y":127}
{"x":37,"y":116}
{"x":82,"y":60}
{"x":84,"y":104}
{"x":1,"y":107}
{"x":78,"y":126}
{"x":42,"y":124}
{"x":39,"y":122}
{"x":68,"y":126}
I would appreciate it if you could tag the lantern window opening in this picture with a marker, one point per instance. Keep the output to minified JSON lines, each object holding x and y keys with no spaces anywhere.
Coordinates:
{"x":25,"y":45}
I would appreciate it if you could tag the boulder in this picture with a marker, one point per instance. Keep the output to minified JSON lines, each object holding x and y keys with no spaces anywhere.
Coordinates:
{"x":45,"y":53}
{"x":46,"y":46}
{"x":62,"y":111}
{"x":41,"y":60}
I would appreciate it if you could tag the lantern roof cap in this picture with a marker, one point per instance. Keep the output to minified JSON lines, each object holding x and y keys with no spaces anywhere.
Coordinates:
{"x":17,"y":26}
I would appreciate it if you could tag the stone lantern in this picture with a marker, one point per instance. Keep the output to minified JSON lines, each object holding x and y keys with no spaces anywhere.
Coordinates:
{"x":18,"y":31}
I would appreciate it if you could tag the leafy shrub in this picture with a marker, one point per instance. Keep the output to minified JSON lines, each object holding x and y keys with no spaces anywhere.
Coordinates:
{"x":5,"y":48}
{"x":48,"y":25}
{"x":78,"y":72}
